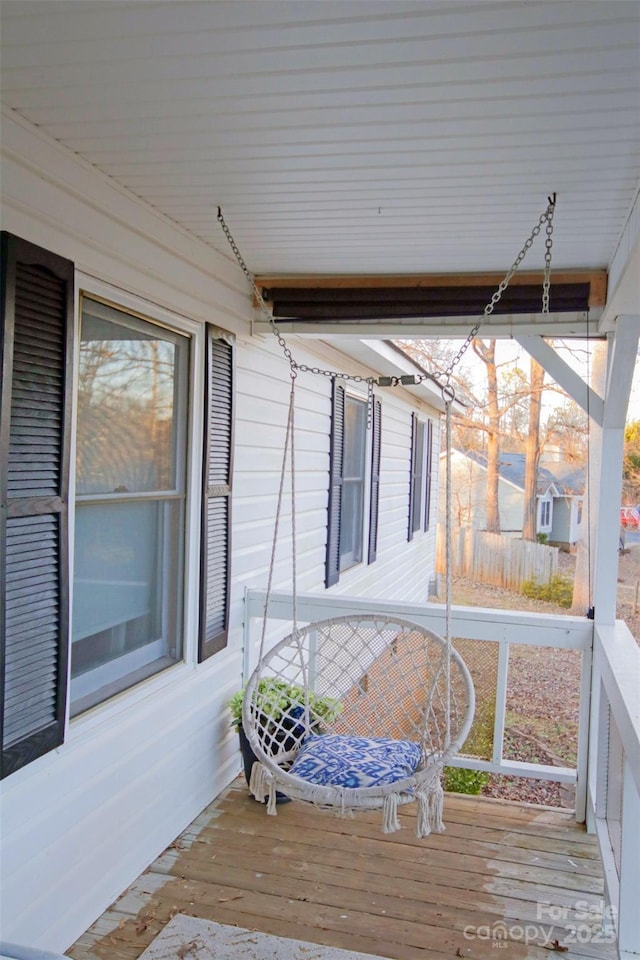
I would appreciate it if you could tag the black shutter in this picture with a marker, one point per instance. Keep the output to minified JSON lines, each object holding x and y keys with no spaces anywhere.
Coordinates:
{"x":374,"y":503}
{"x":429,"y":467}
{"x":35,"y":407}
{"x":216,"y":496}
{"x":412,"y":474}
{"x":336,"y":461}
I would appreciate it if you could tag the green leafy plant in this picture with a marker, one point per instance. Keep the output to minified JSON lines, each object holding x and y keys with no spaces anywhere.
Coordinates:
{"x":278,"y":698}
{"x":542,"y":538}
{"x":557,"y":590}
{"x":459,"y":780}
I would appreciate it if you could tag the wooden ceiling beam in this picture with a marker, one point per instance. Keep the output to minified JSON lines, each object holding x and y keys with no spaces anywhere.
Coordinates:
{"x":597,"y":280}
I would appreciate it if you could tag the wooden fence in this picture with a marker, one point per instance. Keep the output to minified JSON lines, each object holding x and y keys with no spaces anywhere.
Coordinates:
{"x":496,"y":558}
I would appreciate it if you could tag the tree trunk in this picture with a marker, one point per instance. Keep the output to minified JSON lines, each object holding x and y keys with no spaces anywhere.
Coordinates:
{"x":532,"y":454}
{"x":492,"y":510}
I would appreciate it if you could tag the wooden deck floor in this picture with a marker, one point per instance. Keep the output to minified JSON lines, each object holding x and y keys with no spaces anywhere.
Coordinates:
{"x":499,"y":874}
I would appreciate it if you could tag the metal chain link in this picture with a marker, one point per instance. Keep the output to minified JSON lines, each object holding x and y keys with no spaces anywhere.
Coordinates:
{"x":546,"y":217}
{"x":442,"y":380}
{"x":293,"y":364}
{"x":548,"y":245}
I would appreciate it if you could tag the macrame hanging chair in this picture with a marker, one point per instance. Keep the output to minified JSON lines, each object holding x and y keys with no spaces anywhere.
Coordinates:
{"x":357,"y":712}
{"x":400,"y":717}
{"x":362,"y":711}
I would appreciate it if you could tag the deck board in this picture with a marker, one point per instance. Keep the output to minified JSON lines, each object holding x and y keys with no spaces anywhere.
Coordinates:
{"x":343,"y":883}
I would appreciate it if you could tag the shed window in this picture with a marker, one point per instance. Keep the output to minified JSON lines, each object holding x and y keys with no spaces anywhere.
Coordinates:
{"x":545,"y":513}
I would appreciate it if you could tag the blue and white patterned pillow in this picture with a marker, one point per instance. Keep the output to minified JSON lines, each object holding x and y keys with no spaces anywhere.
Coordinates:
{"x":355,"y":761}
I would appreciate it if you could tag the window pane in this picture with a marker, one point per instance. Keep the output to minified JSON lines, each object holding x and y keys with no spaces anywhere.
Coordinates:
{"x":418,"y":484}
{"x":126,"y":395}
{"x":128,"y":577}
{"x":351,"y":519}
{"x":351,"y":526}
{"x":354,"y":438}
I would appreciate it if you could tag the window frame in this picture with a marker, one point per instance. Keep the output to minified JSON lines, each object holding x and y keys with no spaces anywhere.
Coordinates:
{"x":420,"y":475}
{"x":88,"y":288}
{"x":112,"y":296}
{"x":545,"y":508}
{"x":120,"y":674}
{"x":360,"y":482}
{"x":371,"y":458}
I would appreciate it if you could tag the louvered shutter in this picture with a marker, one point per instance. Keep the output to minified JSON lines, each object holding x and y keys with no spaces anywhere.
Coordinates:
{"x":216,"y":497}
{"x":336,"y":464}
{"x":412,"y":474}
{"x":35,"y":405}
{"x":429,"y":467}
{"x":374,"y":505}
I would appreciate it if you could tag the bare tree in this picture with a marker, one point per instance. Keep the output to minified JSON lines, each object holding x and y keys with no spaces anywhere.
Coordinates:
{"x":567,"y":427}
{"x":487,"y":353}
{"x":508,"y":408}
{"x":532,"y":449}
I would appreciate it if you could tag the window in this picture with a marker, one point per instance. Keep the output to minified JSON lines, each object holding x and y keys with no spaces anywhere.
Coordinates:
{"x":420,"y":475}
{"x":354,"y":482}
{"x":132,"y":412}
{"x":130,"y":502}
{"x":545,"y":513}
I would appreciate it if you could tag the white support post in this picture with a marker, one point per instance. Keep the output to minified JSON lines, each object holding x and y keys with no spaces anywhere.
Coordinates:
{"x":622,"y":359}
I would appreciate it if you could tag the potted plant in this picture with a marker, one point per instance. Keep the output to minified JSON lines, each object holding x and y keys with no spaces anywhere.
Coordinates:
{"x":284,"y":704}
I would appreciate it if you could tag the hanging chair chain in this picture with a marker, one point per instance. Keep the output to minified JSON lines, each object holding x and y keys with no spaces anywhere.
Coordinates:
{"x":293,"y":364}
{"x":442,"y":380}
{"x":545,"y":218}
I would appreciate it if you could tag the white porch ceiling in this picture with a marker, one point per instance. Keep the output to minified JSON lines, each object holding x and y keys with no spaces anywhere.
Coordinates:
{"x":348,"y":137}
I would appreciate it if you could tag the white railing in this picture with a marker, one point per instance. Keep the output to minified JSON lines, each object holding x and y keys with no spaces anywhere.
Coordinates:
{"x":470,"y":623}
{"x":614,"y":777}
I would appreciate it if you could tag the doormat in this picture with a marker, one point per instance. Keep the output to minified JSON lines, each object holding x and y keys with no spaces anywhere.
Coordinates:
{"x":189,"y":938}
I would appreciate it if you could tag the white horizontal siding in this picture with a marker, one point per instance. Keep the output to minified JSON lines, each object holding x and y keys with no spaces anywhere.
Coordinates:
{"x":402,"y":569}
{"x":81,"y":823}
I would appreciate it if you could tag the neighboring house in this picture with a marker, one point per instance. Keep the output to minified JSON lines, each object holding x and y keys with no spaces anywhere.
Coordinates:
{"x":560,"y":494}
{"x":126,"y":573}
